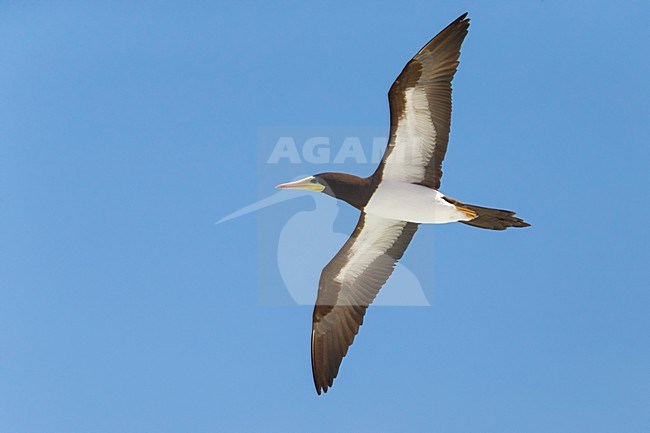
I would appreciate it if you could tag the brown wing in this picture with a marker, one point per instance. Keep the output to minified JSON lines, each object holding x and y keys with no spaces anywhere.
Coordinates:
{"x":420,"y":110}
{"x":348,"y":285}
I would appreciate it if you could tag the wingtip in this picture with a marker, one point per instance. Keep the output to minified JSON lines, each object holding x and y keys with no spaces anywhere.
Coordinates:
{"x":322,"y":385}
{"x":462,"y":22}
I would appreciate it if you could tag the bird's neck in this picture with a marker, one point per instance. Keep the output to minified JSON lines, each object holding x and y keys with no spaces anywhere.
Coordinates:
{"x":351,"y":189}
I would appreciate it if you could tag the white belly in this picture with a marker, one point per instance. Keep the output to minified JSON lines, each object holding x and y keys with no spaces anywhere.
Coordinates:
{"x":414,"y":203}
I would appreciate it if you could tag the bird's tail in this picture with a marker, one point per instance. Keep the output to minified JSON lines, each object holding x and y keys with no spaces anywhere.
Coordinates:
{"x":487,"y":218}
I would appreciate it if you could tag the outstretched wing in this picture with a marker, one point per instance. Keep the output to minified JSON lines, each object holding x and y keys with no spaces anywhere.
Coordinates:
{"x":348,"y":285}
{"x":420,"y":110}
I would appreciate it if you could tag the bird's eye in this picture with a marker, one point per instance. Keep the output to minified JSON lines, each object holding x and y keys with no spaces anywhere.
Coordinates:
{"x":314,"y":180}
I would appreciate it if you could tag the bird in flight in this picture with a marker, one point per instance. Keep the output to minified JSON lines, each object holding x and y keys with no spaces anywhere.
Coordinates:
{"x":400,"y":195}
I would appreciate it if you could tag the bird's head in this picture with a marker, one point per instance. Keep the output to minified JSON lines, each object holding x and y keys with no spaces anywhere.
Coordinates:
{"x":346,"y":187}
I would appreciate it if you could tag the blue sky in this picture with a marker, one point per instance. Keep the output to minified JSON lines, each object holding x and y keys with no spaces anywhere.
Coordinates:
{"x":128,"y":129}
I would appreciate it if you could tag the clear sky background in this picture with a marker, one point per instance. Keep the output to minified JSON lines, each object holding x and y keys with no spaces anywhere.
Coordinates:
{"x":128,"y":128}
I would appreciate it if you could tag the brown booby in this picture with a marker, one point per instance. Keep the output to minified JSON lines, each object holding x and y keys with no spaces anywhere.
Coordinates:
{"x":401,"y":194}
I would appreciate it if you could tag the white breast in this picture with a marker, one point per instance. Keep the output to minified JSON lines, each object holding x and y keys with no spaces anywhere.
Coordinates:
{"x":414,"y":203}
